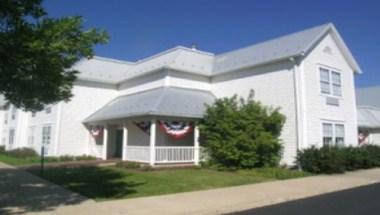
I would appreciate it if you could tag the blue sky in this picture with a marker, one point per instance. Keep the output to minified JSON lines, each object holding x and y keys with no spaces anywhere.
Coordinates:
{"x":140,"y":28}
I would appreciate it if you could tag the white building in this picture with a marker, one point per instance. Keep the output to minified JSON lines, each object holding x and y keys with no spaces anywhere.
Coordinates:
{"x":309,"y":74}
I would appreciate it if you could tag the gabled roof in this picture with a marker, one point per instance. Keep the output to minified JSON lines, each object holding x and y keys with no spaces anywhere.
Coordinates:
{"x":207,"y":64}
{"x":164,"y":101}
{"x":292,"y":45}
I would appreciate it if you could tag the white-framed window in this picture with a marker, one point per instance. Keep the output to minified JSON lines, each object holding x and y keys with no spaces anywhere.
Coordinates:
{"x":333,"y":133}
{"x":11,"y":139}
{"x":330,"y":82}
{"x":14,"y":111}
{"x":46,"y":135}
{"x":48,"y":110}
{"x":31,"y":135}
{"x":6,"y":118}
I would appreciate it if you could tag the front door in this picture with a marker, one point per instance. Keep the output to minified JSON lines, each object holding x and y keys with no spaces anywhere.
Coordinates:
{"x":119,"y":143}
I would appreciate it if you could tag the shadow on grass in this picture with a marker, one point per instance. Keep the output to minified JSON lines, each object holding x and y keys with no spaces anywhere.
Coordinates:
{"x":21,"y":192}
{"x":92,"y":182}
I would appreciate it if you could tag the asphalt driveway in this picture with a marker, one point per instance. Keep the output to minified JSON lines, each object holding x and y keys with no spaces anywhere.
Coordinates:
{"x":357,"y":201}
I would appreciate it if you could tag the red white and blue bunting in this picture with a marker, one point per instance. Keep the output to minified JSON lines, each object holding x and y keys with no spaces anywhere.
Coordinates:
{"x":176,"y":129}
{"x":144,"y":126}
{"x":96,"y":131}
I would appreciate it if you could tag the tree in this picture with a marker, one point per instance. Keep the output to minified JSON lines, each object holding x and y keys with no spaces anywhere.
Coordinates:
{"x":242,"y":133}
{"x":37,"y":53}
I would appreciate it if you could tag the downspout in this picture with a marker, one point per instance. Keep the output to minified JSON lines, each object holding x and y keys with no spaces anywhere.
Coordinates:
{"x":298,"y":102}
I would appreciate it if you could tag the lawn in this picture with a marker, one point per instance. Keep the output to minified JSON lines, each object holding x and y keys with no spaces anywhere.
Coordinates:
{"x":104,"y":183}
{"x":17,"y":161}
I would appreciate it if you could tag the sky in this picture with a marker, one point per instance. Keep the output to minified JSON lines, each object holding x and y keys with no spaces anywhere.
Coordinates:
{"x":140,"y":28}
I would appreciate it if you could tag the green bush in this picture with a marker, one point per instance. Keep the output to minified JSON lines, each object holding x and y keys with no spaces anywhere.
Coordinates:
{"x":128,"y":165}
{"x":22,"y":152}
{"x":242,"y":133}
{"x":2,"y":149}
{"x":338,"y":159}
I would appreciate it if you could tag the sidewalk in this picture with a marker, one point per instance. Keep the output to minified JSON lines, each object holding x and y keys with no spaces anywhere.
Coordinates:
{"x":218,"y":201}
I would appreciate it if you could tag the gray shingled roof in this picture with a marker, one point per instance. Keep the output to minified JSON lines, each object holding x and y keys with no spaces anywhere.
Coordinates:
{"x":165,"y":101}
{"x":369,"y":96}
{"x":292,"y":45}
{"x":368,"y":117}
{"x":207,"y":64}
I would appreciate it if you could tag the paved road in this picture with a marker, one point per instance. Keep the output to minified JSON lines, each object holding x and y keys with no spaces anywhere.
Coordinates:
{"x":358,"y":201}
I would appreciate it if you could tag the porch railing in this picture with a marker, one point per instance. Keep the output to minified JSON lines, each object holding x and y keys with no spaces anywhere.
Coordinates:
{"x":138,"y":153}
{"x":175,"y":154}
{"x":163,"y":154}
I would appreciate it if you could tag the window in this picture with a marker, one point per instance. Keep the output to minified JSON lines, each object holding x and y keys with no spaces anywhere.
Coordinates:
{"x":46,"y":135}
{"x":330,"y":81}
{"x":33,"y":114}
{"x":327,"y":134}
{"x":48,"y":110}
{"x":31,"y":135}
{"x":11,"y":136}
{"x":14,"y":111}
{"x":6,"y":118}
{"x":339,"y":134}
{"x":333,"y":134}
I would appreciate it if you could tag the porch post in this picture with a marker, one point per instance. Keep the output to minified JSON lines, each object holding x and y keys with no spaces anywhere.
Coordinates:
{"x":152,"y":142}
{"x":105,"y":142}
{"x":125,"y":141}
{"x":196,"y":145}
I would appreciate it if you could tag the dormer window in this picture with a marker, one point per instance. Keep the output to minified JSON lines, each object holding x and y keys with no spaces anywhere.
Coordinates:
{"x":330,"y":82}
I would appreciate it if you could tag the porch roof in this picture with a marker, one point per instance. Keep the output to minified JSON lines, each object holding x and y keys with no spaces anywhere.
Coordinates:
{"x":368,"y":117}
{"x":164,"y":101}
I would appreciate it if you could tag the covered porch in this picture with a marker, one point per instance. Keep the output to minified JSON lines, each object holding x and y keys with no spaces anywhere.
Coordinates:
{"x":156,"y":127}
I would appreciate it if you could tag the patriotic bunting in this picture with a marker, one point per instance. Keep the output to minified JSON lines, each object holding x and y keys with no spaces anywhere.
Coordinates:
{"x":176,"y":129}
{"x":143,"y":125}
{"x":96,"y":130}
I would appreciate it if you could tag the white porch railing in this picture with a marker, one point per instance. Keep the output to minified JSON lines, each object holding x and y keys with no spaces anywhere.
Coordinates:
{"x":163,"y":154}
{"x":138,"y":153}
{"x":174,"y":154}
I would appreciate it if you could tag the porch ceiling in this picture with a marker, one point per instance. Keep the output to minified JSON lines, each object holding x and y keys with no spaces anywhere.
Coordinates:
{"x":164,"y":101}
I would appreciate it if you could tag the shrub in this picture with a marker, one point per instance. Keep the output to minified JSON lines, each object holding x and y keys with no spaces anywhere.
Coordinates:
{"x":128,"y":165}
{"x":242,"y":133}
{"x":337,"y":159}
{"x":2,"y":149}
{"x":22,"y":152}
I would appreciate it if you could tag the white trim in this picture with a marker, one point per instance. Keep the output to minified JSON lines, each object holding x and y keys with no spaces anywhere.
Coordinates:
{"x":57,"y":127}
{"x":152,"y":142}
{"x":333,"y":123}
{"x":330,"y":71}
{"x":196,"y":145}
{"x":125,"y":142}
{"x":105,"y":142}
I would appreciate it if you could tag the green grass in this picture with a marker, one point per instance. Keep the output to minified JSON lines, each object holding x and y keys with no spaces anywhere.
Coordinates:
{"x":17,"y":161}
{"x":103,"y":183}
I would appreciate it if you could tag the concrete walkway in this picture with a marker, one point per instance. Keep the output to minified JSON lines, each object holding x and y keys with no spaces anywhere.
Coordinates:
{"x":22,"y":192}
{"x":215,"y":201}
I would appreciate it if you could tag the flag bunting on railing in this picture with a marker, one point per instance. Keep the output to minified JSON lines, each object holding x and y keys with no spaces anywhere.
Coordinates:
{"x":96,"y":130}
{"x":144,"y":126}
{"x":176,"y":129}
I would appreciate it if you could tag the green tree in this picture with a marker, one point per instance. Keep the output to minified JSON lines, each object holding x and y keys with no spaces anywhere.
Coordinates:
{"x":37,"y":53}
{"x":242,"y":133}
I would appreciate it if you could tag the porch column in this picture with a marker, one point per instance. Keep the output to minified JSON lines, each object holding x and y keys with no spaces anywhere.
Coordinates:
{"x":196,"y":145}
{"x":105,"y":142}
{"x":152,"y":142}
{"x":125,"y":142}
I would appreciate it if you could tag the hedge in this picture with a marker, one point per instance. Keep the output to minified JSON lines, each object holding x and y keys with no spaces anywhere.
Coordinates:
{"x":338,"y":159}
